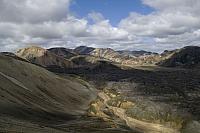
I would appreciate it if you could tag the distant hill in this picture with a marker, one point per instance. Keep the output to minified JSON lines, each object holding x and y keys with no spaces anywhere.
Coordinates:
{"x":43,"y":57}
{"x":56,"y":58}
{"x":185,"y":57}
{"x":121,"y":57}
{"x":63,"y":52}
{"x":31,"y":93}
{"x":104,"y":52}
{"x":84,"y":60}
{"x":136,"y":53}
{"x":83,"y":50}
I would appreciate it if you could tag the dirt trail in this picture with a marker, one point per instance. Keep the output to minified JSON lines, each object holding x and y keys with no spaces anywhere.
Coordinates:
{"x":134,"y":123}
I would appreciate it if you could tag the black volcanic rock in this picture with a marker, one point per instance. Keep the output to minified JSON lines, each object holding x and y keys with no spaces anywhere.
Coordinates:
{"x":83,"y":50}
{"x":63,"y":52}
{"x":186,"y":57}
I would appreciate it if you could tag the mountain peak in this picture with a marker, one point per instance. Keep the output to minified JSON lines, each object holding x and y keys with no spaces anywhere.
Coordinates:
{"x":33,"y":50}
{"x":34,"y":47}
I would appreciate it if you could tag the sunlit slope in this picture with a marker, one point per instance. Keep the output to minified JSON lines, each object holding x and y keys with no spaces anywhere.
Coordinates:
{"x":28,"y":91}
{"x":43,"y":57}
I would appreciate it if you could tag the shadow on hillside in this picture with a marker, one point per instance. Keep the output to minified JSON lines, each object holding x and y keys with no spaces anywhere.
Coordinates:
{"x":35,"y":115}
{"x":178,"y":86}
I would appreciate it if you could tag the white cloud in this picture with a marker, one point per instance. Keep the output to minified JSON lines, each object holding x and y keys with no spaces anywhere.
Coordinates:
{"x":103,"y":29}
{"x":33,"y":11}
{"x":174,"y":5}
{"x":160,"y":24}
{"x":173,"y":24}
{"x":96,"y":17}
{"x":49,"y":29}
{"x":49,"y":23}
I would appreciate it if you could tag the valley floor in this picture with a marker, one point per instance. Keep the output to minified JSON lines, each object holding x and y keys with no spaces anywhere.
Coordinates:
{"x":130,"y":100}
{"x":166,"y":97}
{"x":134,"y":123}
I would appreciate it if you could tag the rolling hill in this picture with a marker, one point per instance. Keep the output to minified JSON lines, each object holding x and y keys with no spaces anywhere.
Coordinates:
{"x":186,"y":57}
{"x":33,"y":94}
{"x":9,"y":54}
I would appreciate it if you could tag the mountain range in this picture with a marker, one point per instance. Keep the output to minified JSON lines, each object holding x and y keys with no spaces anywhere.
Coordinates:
{"x":94,"y":90}
{"x":67,"y":58}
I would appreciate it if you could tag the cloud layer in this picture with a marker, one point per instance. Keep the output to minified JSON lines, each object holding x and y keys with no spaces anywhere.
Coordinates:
{"x":49,"y":23}
{"x":174,"y":24}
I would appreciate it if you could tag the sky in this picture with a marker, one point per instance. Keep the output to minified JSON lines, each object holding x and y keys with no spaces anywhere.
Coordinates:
{"x":152,"y":25}
{"x":114,"y":10}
